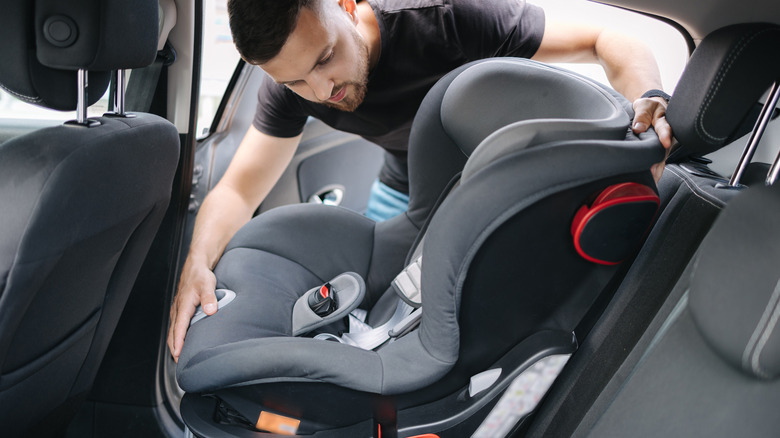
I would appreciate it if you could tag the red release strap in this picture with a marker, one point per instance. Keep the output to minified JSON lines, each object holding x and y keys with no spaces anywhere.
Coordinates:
{"x":623,"y":193}
{"x":325,"y":290}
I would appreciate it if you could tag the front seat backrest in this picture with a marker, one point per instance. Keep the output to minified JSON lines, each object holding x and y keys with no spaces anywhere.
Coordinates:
{"x":712,"y":368}
{"x":79,"y":204}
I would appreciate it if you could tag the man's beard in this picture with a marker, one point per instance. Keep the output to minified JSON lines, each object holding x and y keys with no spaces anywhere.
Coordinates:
{"x":352,"y":100}
{"x":355,"y":97}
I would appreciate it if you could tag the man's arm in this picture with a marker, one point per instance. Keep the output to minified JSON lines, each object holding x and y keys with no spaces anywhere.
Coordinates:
{"x":628,"y":63}
{"x":255,"y":168}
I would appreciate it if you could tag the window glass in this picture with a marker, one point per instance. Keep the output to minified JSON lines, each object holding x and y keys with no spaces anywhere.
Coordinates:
{"x":666,"y":42}
{"x":13,"y":108}
{"x":218,"y":62}
{"x":220,"y":56}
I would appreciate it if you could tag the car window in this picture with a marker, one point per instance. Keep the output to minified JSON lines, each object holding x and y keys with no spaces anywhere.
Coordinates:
{"x":668,"y":45}
{"x":218,"y":62}
{"x":13,"y":108}
{"x":666,"y":42}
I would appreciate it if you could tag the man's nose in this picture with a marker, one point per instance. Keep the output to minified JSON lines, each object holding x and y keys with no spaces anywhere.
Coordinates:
{"x":322,"y":86}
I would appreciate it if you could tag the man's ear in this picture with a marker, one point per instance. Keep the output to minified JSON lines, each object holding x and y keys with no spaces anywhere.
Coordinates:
{"x":350,"y":6}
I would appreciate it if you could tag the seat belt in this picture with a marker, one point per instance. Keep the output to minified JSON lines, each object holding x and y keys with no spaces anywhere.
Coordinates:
{"x":407,"y":315}
{"x":144,"y":82}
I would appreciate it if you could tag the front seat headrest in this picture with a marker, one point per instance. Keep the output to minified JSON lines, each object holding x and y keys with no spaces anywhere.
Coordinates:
{"x":725,"y":77}
{"x":40,"y":67}
{"x":737,"y":306}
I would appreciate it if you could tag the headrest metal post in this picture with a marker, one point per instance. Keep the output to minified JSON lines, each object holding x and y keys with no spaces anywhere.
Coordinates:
{"x":82,"y":97}
{"x":755,"y":136}
{"x":119,"y":95}
{"x":771,"y":177}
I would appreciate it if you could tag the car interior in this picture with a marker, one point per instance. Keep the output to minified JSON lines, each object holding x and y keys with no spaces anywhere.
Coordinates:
{"x":564,"y":292}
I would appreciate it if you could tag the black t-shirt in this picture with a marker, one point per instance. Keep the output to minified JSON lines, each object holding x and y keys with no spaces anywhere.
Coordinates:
{"x":421,"y":41}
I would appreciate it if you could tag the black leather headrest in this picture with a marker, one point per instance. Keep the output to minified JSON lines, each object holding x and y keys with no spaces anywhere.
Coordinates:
{"x":46,"y":41}
{"x":735,"y":289}
{"x":726,"y":76}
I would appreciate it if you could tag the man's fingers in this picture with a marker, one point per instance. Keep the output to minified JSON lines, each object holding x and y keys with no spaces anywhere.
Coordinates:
{"x":184,"y":314}
{"x":664,"y":130}
{"x":184,"y":305}
{"x":170,"y":329}
{"x":208,"y":300}
{"x":646,"y":111}
{"x":652,"y":112}
{"x":642,"y":121}
{"x":196,"y":288}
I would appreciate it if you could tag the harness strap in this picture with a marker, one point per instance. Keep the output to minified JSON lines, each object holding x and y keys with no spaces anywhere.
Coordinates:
{"x":406,"y":317}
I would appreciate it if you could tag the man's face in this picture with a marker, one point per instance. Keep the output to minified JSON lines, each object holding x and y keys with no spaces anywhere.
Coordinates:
{"x":324,"y":60}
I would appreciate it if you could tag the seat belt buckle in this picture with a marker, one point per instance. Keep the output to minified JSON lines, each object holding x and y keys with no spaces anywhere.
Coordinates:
{"x":324,"y":301}
{"x":324,"y":304}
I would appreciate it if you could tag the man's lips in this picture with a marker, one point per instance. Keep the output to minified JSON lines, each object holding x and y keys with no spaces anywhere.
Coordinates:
{"x":338,"y":96}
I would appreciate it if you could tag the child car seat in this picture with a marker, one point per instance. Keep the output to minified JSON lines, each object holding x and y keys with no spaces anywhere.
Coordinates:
{"x":548,"y":165}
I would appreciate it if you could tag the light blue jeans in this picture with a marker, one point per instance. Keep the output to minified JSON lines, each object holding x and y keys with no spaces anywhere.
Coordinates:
{"x":384,"y":202}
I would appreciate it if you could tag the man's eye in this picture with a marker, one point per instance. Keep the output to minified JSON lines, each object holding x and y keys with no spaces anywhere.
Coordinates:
{"x":327,"y":59}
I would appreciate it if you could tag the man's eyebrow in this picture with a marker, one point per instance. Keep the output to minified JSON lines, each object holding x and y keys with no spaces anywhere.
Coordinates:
{"x":322,"y":56}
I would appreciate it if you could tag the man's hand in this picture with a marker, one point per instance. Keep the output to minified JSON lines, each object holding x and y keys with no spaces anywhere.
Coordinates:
{"x":258,"y":163}
{"x":196,"y":287}
{"x":652,"y":112}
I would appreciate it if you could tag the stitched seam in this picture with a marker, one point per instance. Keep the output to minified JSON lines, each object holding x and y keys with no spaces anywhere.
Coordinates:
{"x":20,"y":96}
{"x":761,"y":334}
{"x":724,"y":69}
{"x":764,"y":338}
{"x":696,"y":190}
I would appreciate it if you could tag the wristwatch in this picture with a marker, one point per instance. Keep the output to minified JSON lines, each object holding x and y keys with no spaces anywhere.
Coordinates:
{"x":656,"y":93}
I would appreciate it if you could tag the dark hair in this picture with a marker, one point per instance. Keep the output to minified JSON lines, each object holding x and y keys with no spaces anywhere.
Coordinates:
{"x":261,"y":27}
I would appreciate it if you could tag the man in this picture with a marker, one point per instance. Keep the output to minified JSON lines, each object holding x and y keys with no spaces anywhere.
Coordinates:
{"x":364,"y":68}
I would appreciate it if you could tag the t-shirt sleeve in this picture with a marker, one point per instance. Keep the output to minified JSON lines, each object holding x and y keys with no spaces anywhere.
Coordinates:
{"x":278,"y":112}
{"x":498,"y":27}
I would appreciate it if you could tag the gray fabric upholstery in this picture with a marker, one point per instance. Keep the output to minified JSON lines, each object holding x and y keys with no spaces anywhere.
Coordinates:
{"x":742,"y":327}
{"x":588,"y":108}
{"x":80,"y":207}
{"x":494,"y":250}
{"x":725,"y":77}
{"x":526,"y":178}
{"x":269,"y":269}
{"x":453,"y":121}
{"x":86,"y":205}
{"x":285,"y":252}
{"x":535,"y":117}
{"x":690,"y":380}
{"x":689,"y":400}
{"x":684,"y":389}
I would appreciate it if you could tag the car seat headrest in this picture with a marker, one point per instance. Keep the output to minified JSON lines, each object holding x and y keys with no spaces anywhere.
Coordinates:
{"x":508,"y":103}
{"x":507,"y":95}
{"x":726,"y":76}
{"x":735,"y":289}
{"x":52,"y":39}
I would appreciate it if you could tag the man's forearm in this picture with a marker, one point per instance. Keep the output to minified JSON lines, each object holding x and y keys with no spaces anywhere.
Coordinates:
{"x":222,"y":213}
{"x":629,"y":64}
